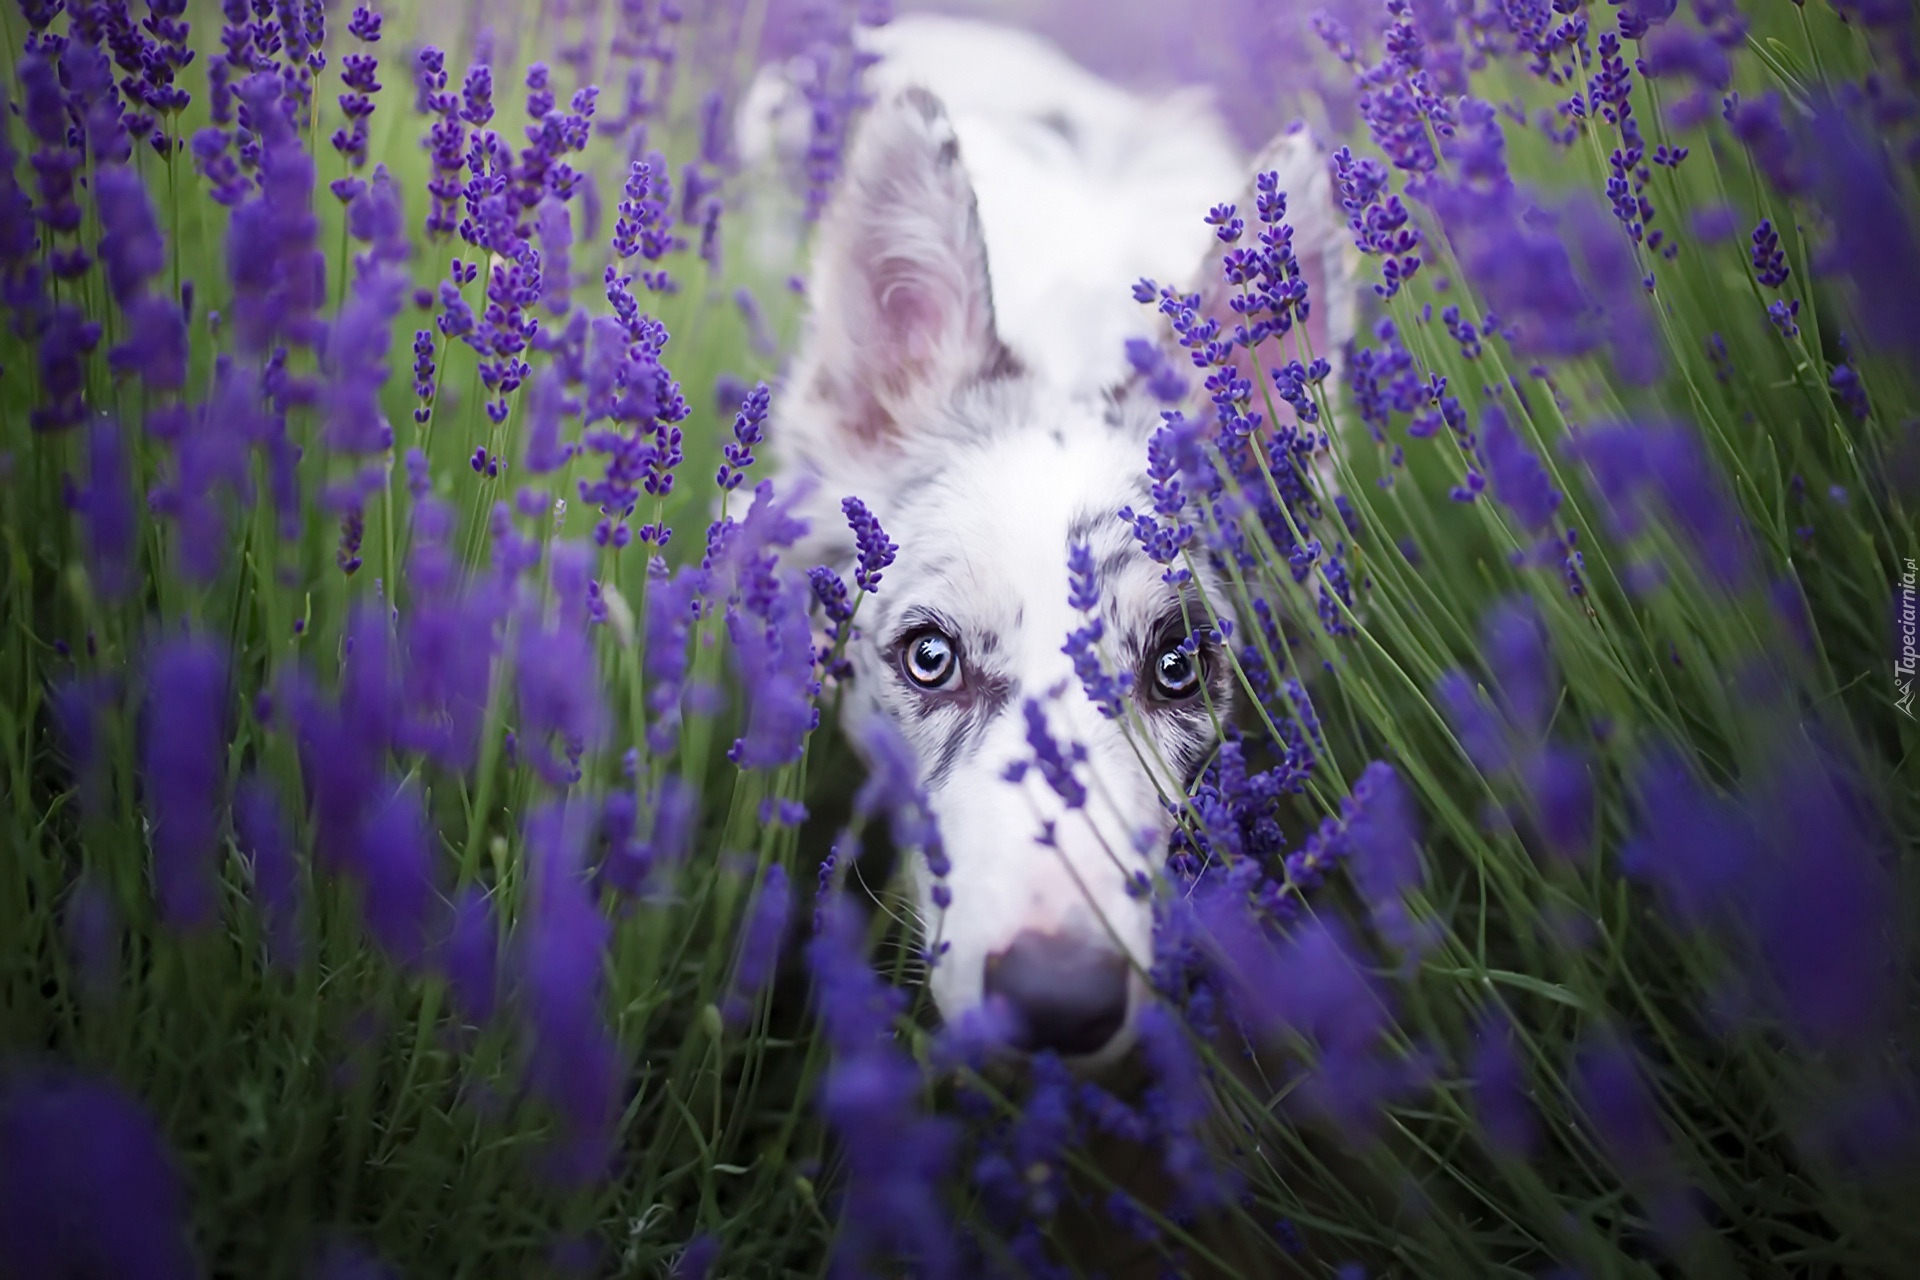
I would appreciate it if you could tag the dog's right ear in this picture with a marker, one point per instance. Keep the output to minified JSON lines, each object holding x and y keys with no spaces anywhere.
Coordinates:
{"x":902,"y":307}
{"x":1322,"y":245}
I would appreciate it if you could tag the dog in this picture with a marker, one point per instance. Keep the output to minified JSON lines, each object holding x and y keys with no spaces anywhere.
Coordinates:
{"x":964,"y":372}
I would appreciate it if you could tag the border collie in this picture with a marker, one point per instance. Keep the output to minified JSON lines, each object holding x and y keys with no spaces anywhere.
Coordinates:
{"x":964,"y":372}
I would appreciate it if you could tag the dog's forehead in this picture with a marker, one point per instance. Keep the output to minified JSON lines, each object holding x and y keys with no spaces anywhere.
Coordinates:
{"x":990,"y":517}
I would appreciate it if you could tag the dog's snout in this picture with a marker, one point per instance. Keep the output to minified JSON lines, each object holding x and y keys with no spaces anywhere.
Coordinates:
{"x":1064,"y":993}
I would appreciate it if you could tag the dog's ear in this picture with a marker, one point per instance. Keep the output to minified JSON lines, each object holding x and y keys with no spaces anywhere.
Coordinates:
{"x":1322,"y":244}
{"x":902,"y":308}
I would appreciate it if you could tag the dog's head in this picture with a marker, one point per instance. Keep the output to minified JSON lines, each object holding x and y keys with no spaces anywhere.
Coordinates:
{"x":988,"y":477}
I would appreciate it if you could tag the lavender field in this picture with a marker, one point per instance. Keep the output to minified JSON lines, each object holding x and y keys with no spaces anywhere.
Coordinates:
{"x":431,"y":844}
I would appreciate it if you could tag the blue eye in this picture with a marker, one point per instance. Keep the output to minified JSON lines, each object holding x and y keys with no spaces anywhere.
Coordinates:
{"x":1176,"y":674}
{"x":929,"y":659}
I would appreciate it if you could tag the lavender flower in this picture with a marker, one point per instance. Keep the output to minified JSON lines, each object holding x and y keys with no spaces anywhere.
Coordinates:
{"x":87,"y":1183}
{"x":357,"y":75}
{"x":836,"y":606}
{"x":1383,"y":832}
{"x":1876,"y":242}
{"x":1662,"y":466}
{"x":1381,"y":228}
{"x":1314,"y":985}
{"x":1821,"y":904}
{"x":747,"y":424}
{"x":645,"y":224}
{"x":548,"y":404}
{"x":1055,"y":764}
{"x":1181,"y":1103}
{"x":393,"y":863}
{"x":1520,"y":479}
{"x":260,"y":833}
{"x":446,"y":139}
{"x":1500,"y":1093}
{"x":1513,"y":639}
{"x":112,"y":524}
{"x":893,"y":787}
{"x":183,"y":757}
{"x":94,"y":934}
{"x":1769,"y":260}
{"x":1109,"y":692}
{"x":876,"y":552}
{"x":131,"y":248}
{"x":834,"y":85}
{"x":894,"y":1154}
{"x":1613,"y":1092}
{"x":760,"y":944}
{"x":355,"y":360}
{"x":574,"y":1064}
{"x":627,"y":386}
{"x":559,"y":697}
{"x":1848,"y":389}
{"x":469,"y":957}
{"x":1511,"y":252}
{"x":274,"y":262}
{"x":1473,"y":723}
{"x":555,"y":229}
{"x":672,"y":607}
{"x":1784,"y":313}
{"x":1692,"y":845}
{"x":1758,"y":126}
{"x":1559,"y":783}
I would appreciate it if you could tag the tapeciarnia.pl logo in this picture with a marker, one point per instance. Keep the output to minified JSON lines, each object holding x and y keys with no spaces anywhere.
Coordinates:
{"x":1903,"y":666}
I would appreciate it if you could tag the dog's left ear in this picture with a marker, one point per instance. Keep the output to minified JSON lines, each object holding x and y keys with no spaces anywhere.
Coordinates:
{"x":902,"y":307}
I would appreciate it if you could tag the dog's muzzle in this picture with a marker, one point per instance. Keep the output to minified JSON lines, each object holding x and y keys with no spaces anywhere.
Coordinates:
{"x":1062,"y":993}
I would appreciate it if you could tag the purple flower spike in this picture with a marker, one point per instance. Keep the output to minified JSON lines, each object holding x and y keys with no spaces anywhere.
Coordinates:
{"x":1769,"y":260}
{"x":394,"y":865}
{"x":131,"y":247}
{"x":1054,"y":762}
{"x":1384,"y":831}
{"x":747,"y":428}
{"x":893,"y":787}
{"x":1514,"y":641}
{"x":1108,"y":691}
{"x":1662,"y":467}
{"x":469,"y":958}
{"x":1520,"y":479}
{"x":183,"y":756}
{"x":1693,"y":846}
{"x":895,"y":1155}
{"x":574,"y":1064}
{"x":1560,"y":782}
{"x":1473,"y":722}
{"x":1876,"y":237}
{"x":112,"y":522}
{"x":876,"y":552}
{"x":1611,"y":1087}
{"x":260,"y":831}
{"x":1850,"y":392}
{"x":765,"y":928}
{"x":87,"y":1183}
{"x":1500,"y":1093}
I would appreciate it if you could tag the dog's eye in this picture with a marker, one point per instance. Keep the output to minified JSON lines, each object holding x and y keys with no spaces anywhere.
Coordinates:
{"x":1176,"y":674}
{"x":929,"y":660}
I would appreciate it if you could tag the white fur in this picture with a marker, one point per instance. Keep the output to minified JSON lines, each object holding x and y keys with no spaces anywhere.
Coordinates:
{"x":1082,"y":187}
{"x":976,"y":414}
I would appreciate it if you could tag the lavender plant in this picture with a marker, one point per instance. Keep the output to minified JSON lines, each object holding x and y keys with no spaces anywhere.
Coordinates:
{"x":428,"y":847}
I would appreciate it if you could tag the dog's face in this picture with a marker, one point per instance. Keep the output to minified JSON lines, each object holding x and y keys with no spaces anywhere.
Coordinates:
{"x":987,"y":477}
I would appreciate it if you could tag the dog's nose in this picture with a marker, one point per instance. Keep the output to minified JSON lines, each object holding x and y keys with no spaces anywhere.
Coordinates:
{"x":1066,"y":994}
